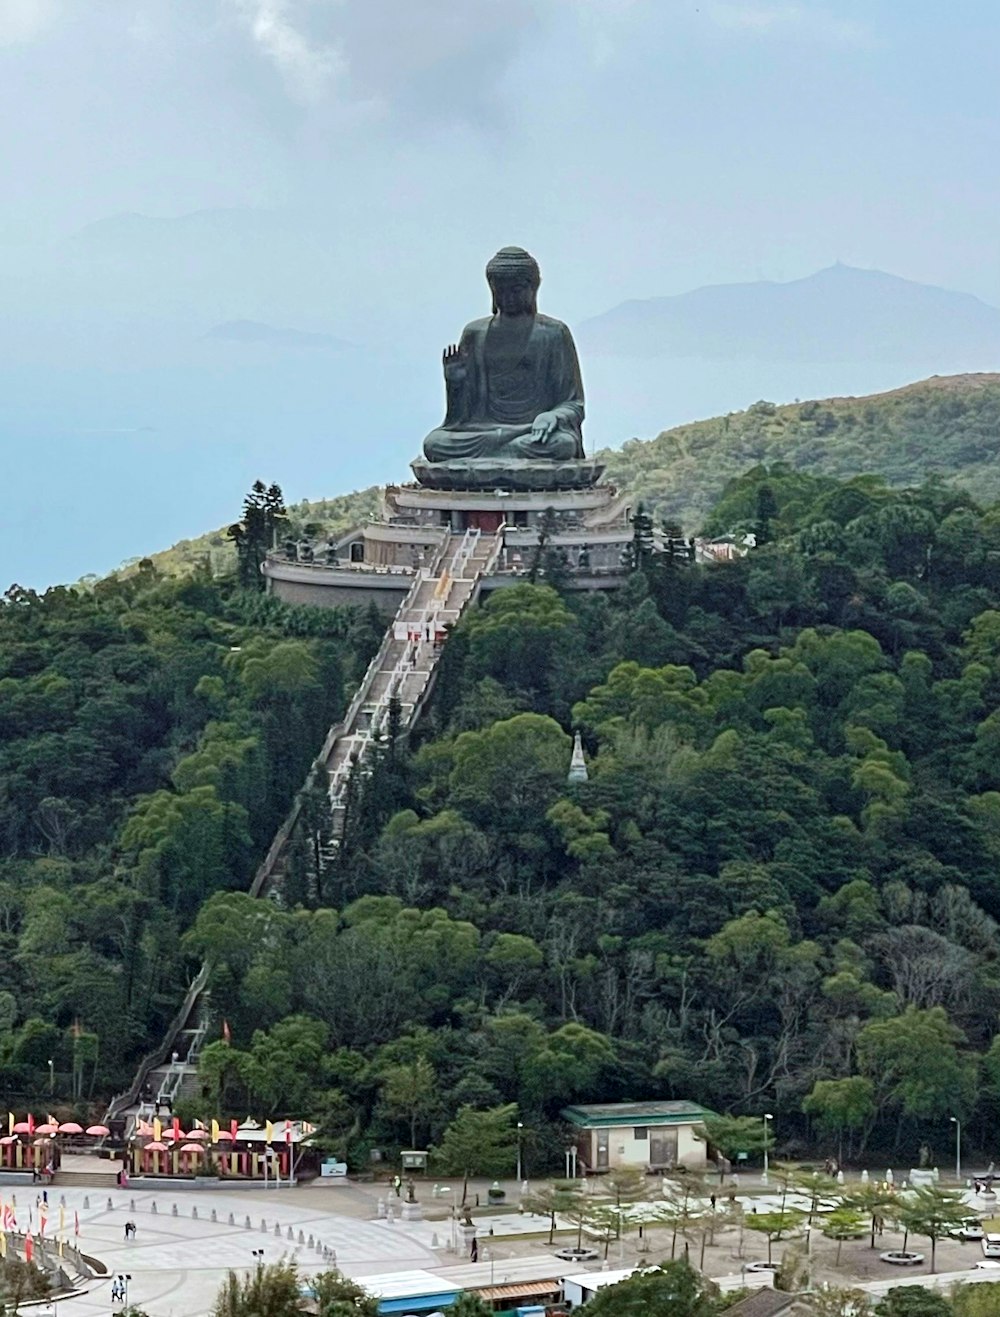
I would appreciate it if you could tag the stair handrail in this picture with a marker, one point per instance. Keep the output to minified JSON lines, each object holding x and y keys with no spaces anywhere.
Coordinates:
{"x":159,"y":1055}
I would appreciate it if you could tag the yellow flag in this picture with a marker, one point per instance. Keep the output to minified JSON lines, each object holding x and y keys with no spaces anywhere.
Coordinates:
{"x":157,"y":1129}
{"x":11,"y":1122}
{"x":215,"y":1131}
{"x":3,"y":1243}
{"x":62,"y":1217}
{"x":268,"y":1131}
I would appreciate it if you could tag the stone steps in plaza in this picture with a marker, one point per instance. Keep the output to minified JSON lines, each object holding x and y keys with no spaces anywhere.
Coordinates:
{"x":69,"y":1179}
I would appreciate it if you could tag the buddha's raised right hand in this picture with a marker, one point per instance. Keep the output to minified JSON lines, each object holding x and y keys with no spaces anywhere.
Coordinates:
{"x":453,"y":359}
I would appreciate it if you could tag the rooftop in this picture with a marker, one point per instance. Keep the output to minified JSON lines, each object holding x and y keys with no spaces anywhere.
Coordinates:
{"x":762,"y":1303}
{"x":635,"y":1113}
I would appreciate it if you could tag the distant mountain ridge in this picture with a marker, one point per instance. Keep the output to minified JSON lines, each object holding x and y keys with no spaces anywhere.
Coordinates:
{"x":837,"y":314}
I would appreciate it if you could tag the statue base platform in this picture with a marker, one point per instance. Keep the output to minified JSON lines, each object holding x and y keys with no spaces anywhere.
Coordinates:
{"x":512,"y":473}
{"x":411,"y":1212}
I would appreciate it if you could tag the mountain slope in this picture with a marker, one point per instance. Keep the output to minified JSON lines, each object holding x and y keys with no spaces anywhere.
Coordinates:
{"x":837,"y":314}
{"x":947,"y":426}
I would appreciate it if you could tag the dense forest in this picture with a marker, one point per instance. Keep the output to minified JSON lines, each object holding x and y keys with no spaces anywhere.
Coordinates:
{"x":152,"y":735}
{"x":776,"y":891}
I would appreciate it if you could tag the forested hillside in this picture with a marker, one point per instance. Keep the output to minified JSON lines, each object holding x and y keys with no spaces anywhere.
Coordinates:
{"x":777,"y":891}
{"x":947,"y":426}
{"x":152,"y":735}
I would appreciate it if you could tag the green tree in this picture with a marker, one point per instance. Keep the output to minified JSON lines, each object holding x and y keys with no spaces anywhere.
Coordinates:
{"x":731,"y":1135}
{"x":840,"y":1224}
{"x":410,"y":1091}
{"x":336,"y":1296}
{"x":772,"y":1224}
{"x":872,"y":1200}
{"x":469,"y":1305}
{"x":913,"y":1301}
{"x":837,"y":1105}
{"x":478,"y":1143}
{"x":929,"y":1211}
{"x":557,"y":1198}
{"x":270,"y":1291}
{"x":673,"y":1289}
{"x":915,"y":1064}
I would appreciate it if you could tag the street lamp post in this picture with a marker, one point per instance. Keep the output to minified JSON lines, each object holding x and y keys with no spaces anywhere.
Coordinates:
{"x":520,"y":1127}
{"x":767,"y":1118}
{"x":258,"y":1257}
{"x":123,"y":1280}
{"x":52,"y":1075}
{"x":958,"y":1148}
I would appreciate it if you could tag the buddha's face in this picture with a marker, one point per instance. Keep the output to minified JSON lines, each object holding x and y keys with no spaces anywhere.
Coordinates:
{"x":514,"y":295}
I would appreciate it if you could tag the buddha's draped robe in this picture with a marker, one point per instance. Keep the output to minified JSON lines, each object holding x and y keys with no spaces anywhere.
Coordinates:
{"x":493,"y":404}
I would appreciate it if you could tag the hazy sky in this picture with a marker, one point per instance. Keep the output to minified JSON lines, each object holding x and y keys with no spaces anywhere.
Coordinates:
{"x":641,"y":146}
{"x":365,"y":157}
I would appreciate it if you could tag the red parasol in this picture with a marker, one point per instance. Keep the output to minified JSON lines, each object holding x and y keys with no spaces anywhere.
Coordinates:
{"x":47,"y":1128}
{"x":70,"y":1127}
{"x":197,"y":1134}
{"x":98,"y":1130}
{"x":10,"y":1138}
{"x":225,"y":1134}
{"x":192,"y":1147}
{"x":155,"y":1147}
{"x":22,"y":1127}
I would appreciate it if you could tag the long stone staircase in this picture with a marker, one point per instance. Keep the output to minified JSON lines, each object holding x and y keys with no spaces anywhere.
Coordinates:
{"x":405,"y":665}
{"x":404,"y":669}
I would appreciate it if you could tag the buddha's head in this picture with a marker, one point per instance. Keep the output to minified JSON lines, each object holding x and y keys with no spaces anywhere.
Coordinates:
{"x":513,"y":276}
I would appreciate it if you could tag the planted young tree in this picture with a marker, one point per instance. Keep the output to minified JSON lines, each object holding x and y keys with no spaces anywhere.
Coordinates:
{"x":559,"y":1198}
{"x":681,"y":1211}
{"x":772,"y":1224}
{"x":818,"y":1188}
{"x":931,"y":1212}
{"x":872,"y":1201}
{"x":842,"y":1223}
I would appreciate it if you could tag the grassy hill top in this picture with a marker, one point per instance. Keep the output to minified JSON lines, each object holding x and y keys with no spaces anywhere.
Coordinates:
{"x":947,"y":426}
{"x":315,"y":517}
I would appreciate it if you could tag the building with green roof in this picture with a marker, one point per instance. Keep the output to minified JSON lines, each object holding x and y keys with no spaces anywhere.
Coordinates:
{"x":648,"y":1136}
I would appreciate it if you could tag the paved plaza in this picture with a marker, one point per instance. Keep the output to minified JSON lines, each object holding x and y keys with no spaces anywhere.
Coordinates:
{"x":177,"y":1263}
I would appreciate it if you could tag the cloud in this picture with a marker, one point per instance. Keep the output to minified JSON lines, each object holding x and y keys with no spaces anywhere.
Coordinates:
{"x":23,"y":20}
{"x":308,"y":67}
{"x":793,"y":20}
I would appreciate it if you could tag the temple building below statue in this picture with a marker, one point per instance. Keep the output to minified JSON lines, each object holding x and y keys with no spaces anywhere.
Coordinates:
{"x":377,"y":561}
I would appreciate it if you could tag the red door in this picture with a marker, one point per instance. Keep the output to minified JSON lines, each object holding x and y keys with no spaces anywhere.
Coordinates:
{"x":488,"y":522}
